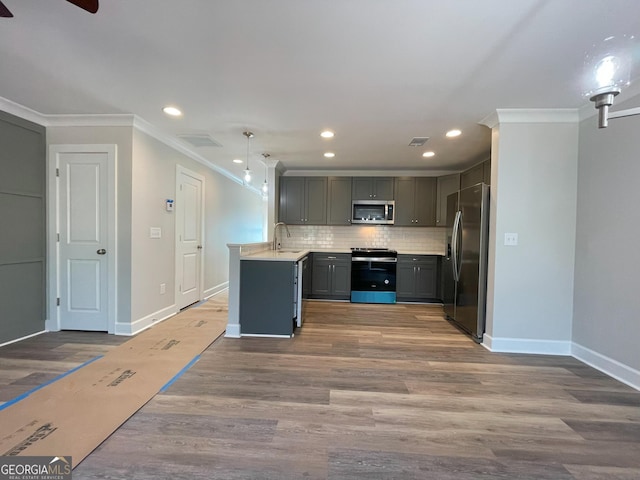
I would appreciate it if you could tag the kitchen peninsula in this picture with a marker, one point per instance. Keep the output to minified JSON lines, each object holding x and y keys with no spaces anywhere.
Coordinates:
{"x":268,"y":288}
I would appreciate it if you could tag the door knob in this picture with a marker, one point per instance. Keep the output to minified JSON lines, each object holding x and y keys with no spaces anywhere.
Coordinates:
{"x":199,"y":247}
{"x":102,"y":251}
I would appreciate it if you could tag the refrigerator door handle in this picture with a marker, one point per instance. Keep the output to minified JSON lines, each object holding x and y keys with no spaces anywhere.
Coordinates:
{"x":459,"y":250}
{"x":454,"y":246}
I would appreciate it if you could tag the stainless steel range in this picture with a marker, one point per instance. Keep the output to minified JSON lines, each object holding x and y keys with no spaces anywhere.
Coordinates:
{"x":373,"y":275}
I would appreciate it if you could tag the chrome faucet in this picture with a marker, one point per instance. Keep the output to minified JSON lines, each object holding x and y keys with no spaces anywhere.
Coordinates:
{"x":275,"y":233}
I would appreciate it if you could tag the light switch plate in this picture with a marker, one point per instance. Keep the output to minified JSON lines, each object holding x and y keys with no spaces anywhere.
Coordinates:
{"x":155,"y":232}
{"x":511,"y":239}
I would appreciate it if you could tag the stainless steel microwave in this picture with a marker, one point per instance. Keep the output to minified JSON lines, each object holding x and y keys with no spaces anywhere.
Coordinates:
{"x":374,"y":212}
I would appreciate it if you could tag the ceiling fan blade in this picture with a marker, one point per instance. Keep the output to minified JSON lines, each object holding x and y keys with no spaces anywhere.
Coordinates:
{"x":88,"y":5}
{"x":4,"y":11}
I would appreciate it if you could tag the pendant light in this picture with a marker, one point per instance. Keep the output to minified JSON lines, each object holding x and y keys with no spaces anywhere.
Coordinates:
{"x":265,"y":185}
{"x":247,"y":171}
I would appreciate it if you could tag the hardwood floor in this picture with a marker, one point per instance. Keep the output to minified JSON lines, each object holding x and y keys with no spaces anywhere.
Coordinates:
{"x":361,"y":391}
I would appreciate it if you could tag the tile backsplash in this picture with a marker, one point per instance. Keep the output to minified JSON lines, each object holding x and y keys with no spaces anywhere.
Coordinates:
{"x":418,"y":239}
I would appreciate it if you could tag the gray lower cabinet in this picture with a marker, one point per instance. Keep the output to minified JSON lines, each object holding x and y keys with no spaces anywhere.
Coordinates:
{"x":417,"y":278}
{"x":331,"y":276}
{"x":303,"y":200}
{"x":267,"y":297}
{"x":339,"y":201}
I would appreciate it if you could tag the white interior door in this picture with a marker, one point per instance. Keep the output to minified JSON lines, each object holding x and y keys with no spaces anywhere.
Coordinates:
{"x":189,"y":236}
{"x":84,"y":244}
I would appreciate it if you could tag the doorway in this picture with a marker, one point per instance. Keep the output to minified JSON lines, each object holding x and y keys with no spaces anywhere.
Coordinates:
{"x":82,"y":224}
{"x":189,"y":236}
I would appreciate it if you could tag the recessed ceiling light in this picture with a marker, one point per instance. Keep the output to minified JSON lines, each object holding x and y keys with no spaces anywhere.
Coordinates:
{"x":329,"y":154}
{"x":173,"y":111}
{"x":453,"y":133}
{"x":428,"y":154}
{"x":327,"y":134}
{"x":237,"y":160}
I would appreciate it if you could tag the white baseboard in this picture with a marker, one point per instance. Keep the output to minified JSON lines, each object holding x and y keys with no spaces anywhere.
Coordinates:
{"x":233,"y":330}
{"x":145,"y":322}
{"x":210,"y":292}
{"x":50,"y":325}
{"x":265,"y":335}
{"x":611,"y":367}
{"x":23,"y":338}
{"x":525,"y":345}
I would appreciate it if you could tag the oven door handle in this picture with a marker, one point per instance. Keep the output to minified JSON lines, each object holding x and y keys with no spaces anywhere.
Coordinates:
{"x":374,"y":259}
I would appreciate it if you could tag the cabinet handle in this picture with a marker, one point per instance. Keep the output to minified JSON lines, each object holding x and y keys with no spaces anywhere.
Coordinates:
{"x":332,"y":258}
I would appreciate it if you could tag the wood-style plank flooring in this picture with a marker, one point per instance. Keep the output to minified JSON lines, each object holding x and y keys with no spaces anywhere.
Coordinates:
{"x":362,"y":391}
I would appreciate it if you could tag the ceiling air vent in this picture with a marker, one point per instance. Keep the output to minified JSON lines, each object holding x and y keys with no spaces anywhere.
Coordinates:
{"x":418,"y":141}
{"x":199,"y":140}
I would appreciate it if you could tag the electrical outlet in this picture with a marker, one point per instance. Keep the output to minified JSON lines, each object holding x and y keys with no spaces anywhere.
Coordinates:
{"x":163,"y":288}
{"x":511,"y":239}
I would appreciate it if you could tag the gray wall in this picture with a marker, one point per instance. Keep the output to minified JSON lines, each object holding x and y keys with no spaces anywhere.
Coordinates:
{"x":122,"y":137}
{"x":533,"y":194}
{"x":233,"y":214}
{"x":606,"y":298}
{"x":22,"y":228}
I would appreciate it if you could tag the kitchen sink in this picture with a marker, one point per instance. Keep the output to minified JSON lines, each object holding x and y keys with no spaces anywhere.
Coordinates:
{"x":289,"y":251}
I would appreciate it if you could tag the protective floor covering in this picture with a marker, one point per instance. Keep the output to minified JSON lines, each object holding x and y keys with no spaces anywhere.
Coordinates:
{"x":76,"y":413}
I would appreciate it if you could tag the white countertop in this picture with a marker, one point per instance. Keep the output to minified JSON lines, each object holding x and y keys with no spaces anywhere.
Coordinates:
{"x":284,"y":255}
{"x":295,"y":254}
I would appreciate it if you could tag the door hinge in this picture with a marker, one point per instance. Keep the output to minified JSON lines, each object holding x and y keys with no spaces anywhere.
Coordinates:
{"x":57,"y":172}
{"x":58,"y":301}
{"x":58,"y":237}
{"x":179,"y":288}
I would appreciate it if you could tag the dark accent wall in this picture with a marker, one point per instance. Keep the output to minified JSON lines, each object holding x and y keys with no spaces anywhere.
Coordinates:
{"x":22,"y":227}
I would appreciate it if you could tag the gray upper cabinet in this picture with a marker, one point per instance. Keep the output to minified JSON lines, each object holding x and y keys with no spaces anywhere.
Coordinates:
{"x":339,"y":201}
{"x":415,"y":201}
{"x":472,"y":176}
{"x":303,"y":200}
{"x":447,"y":185}
{"x":487,"y":171}
{"x":372,"y":188}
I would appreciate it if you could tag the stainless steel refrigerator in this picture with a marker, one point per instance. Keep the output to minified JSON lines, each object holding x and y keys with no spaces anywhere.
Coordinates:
{"x":464,"y":280}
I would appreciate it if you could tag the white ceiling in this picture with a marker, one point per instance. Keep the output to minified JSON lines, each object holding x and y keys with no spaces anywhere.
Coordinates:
{"x":377,"y":72}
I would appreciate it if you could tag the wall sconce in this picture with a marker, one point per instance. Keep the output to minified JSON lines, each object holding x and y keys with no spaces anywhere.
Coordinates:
{"x":607,"y":70}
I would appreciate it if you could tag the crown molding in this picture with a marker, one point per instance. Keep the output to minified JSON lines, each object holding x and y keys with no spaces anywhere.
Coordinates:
{"x":531,"y":115}
{"x":21,"y":111}
{"x":368,"y":173}
{"x":149,"y":129}
{"x":116,"y":120}
{"x":91,"y":120}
